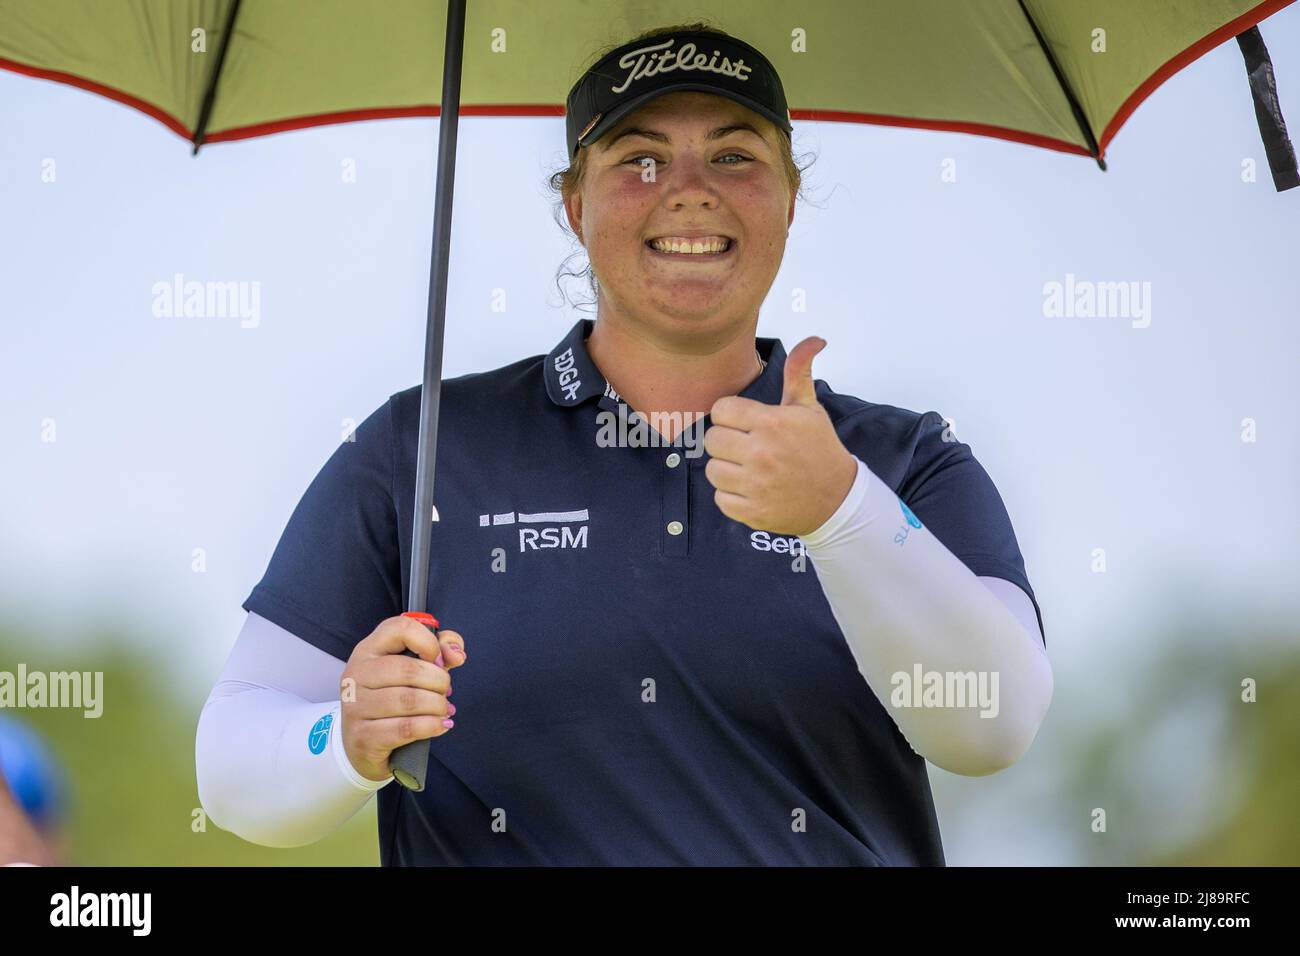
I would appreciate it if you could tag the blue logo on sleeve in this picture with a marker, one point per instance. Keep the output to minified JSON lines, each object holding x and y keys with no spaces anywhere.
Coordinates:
{"x":900,"y":537}
{"x":320,"y":734}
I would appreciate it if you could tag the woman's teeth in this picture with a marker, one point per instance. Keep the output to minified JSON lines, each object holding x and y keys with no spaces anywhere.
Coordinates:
{"x":704,"y":245}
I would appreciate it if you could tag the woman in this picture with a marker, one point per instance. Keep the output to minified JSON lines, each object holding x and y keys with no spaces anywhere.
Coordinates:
{"x":659,"y":675}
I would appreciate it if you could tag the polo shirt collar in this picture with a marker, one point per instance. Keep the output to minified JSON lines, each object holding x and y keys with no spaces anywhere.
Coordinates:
{"x":572,"y":377}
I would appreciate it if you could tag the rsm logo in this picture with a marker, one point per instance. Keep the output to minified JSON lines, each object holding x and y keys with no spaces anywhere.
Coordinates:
{"x":544,"y":530}
{"x":562,"y":537}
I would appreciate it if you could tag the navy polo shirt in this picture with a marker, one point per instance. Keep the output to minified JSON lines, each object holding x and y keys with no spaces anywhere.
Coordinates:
{"x":648,"y":680}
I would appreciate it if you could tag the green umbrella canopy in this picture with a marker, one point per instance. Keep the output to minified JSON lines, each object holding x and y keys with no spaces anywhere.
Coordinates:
{"x":1061,"y":74}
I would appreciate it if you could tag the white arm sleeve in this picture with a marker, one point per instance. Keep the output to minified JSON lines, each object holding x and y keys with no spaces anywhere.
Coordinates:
{"x":264,"y":771}
{"x":912,"y":609}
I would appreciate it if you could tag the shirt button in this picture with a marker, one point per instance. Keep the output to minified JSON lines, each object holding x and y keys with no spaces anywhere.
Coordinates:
{"x":673,"y":460}
{"x":674,"y":527}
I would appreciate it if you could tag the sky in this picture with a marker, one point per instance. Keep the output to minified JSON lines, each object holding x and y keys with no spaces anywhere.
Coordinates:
{"x":1121,"y":433}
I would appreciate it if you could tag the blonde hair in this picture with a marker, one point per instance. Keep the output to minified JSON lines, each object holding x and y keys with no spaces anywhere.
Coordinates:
{"x":565,"y":182}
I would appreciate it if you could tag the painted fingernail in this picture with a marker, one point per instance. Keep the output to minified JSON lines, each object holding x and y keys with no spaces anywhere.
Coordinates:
{"x":449,"y":722}
{"x":451,"y":708}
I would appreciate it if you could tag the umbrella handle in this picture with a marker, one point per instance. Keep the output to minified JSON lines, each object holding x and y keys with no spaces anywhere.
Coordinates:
{"x":410,"y":762}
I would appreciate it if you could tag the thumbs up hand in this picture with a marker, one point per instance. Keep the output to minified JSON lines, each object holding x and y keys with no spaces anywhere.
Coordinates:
{"x":779,"y":468}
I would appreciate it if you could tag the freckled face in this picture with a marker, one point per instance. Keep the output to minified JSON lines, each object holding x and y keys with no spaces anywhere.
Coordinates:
{"x":683,"y":177}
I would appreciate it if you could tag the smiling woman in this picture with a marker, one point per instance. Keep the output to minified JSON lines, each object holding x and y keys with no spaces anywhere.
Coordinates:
{"x":568,"y":182}
{"x":656,"y":677}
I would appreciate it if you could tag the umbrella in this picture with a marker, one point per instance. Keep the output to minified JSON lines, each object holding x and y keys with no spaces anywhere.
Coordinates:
{"x":1056,"y":74}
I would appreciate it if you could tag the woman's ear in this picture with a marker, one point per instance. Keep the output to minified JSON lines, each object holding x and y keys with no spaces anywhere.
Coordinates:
{"x":573,"y":210}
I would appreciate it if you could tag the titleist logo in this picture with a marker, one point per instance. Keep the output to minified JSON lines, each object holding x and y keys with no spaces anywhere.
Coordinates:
{"x":653,"y":60}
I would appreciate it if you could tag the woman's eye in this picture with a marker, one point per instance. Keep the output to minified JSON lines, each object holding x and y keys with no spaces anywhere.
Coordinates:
{"x":652,"y":160}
